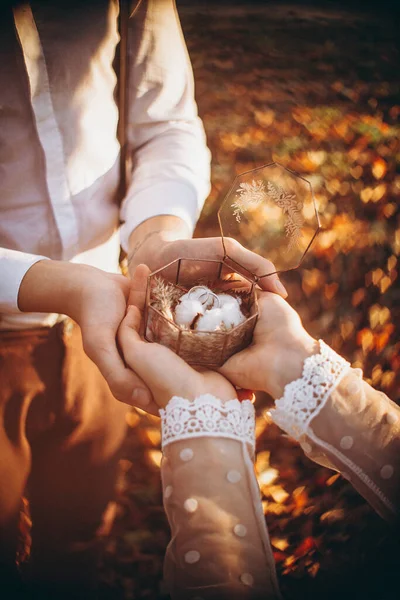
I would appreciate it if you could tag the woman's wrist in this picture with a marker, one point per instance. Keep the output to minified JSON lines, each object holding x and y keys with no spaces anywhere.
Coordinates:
{"x":53,"y":287}
{"x":286,"y":356}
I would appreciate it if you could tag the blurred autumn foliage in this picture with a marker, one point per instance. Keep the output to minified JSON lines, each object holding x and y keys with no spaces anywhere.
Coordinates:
{"x":319,"y":92}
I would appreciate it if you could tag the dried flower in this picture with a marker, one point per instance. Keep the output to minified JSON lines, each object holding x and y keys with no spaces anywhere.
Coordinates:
{"x":164,"y":296}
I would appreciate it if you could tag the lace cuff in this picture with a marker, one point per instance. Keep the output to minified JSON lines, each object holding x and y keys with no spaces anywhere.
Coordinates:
{"x":207,"y":416}
{"x":304,"y":398}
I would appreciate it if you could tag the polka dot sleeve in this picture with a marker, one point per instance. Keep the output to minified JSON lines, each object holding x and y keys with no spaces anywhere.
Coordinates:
{"x":219,"y":546}
{"x":343,"y":423}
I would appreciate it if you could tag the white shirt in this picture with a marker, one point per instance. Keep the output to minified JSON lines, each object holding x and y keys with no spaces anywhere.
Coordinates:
{"x":59,"y":154}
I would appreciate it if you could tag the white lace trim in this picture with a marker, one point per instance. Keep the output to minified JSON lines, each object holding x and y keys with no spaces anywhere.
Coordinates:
{"x":207,"y":416}
{"x":304,"y":398}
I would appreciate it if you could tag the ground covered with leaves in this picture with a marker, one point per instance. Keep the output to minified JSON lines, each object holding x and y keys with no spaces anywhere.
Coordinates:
{"x":318,"y":91}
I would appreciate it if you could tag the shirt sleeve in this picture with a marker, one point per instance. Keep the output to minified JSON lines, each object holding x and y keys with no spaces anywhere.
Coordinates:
{"x":171,"y":161}
{"x":219,"y":544}
{"x":343,"y":423}
{"x":13,"y":266}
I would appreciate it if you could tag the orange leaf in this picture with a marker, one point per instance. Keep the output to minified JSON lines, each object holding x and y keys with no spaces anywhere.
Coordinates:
{"x":365,"y":339}
{"x":306,"y":546}
{"x":154,"y":457}
{"x":379,"y":168}
{"x":358,"y":296}
{"x":244,"y":394}
{"x":279,"y":543}
{"x":279,"y":556}
{"x":381,"y":339}
{"x":300,"y":497}
{"x":387,"y":379}
{"x":330,"y":290}
{"x":332,"y":479}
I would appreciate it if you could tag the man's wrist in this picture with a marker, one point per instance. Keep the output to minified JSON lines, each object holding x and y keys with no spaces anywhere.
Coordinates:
{"x":150,"y":240}
{"x":147,"y":241}
{"x":53,"y":287}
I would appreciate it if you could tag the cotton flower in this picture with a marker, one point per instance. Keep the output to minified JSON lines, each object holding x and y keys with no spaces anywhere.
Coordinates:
{"x":187,"y":310}
{"x":227,"y":316}
{"x":232,"y":315}
{"x":225,"y":299}
{"x":215,"y":312}
{"x":185,"y":297}
{"x":211,"y":320}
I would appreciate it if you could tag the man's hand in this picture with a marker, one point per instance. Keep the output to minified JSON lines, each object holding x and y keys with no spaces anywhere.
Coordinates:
{"x":278,"y":350}
{"x":97,"y":302}
{"x":160,"y":240}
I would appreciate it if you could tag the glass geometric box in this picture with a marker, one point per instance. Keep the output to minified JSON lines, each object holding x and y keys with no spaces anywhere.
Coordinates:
{"x":192,"y":305}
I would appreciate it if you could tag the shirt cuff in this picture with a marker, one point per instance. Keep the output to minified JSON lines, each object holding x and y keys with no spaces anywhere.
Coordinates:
{"x":174,"y":198}
{"x":13,"y":266}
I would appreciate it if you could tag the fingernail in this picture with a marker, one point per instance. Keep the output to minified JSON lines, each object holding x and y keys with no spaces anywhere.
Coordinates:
{"x":280,"y":289}
{"x":141,"y":396}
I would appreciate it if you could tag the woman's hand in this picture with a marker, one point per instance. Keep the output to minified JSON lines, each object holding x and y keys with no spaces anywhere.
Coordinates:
{"x":165,"y":373}
{"x":279,"y":347}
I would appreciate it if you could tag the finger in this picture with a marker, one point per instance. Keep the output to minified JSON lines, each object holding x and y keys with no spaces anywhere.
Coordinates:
{"x":129,"y":330}
{"x":242,"y":369}
{"x":137,"y":294}
{"x":233,"y":372}
{"x":124,"y":384}
{"x":123,"y":282}
{"x":256,"y":265}
{"x":163,"y":371}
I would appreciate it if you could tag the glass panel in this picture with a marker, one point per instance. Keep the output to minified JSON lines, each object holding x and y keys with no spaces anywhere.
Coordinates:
{"x":239,"y":338}
{"x":271,"y":211}
{"x":202,"y":349}
{"x":160,"y":330}
{"x":198,"y":272}
{"x":168,"y":272}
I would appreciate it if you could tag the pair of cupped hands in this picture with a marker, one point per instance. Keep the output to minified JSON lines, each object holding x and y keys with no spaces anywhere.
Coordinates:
{"x":274,"y":358}
{"x":109,"y":310}
{"x":148,"y":375}
{"x":278,"y":347}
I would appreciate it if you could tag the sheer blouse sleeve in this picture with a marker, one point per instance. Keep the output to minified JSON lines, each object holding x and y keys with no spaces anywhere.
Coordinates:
{"x":219,"y":546}
{"x":343,"y":423}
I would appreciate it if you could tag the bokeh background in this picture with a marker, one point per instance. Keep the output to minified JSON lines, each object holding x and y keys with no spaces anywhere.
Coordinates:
{"x":316,"y":88}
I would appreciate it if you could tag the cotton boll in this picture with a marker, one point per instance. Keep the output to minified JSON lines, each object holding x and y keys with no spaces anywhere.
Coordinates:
{"x":186,"y":297}
{"x":229,"y":315}
{"x":232,"y":315}
{"x":187,"y":311}
{"x":225,"y":299}
{"x":210,"y":321}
